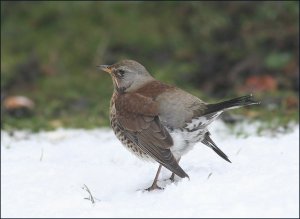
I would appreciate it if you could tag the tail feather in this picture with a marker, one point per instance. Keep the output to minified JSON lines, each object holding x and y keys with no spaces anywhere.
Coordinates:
{"x":209,"y":142}
{"x":229,"y":104}
{"x":175,"y":168}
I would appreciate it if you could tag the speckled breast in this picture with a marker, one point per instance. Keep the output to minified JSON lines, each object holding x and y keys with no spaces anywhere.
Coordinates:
{"x":128,"y":144}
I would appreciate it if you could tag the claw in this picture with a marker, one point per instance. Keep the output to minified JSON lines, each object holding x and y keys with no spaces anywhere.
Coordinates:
{"x":154,"y":187}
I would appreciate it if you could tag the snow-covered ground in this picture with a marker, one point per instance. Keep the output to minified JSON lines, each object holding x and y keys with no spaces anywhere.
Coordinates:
{"x":43,"y":175}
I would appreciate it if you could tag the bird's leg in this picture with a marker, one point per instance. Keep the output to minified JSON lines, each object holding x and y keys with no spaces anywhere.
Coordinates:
{"x":172,"y":178}
{"x":154,"y":184}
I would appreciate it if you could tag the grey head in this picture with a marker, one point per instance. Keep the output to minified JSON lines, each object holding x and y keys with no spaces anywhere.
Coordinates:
{"x":127,"y":75}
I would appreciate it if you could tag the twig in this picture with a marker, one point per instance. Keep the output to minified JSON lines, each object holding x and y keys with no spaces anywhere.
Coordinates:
{"x":42,"y":154}
{"x":91,"y":198}
{"x":238,"y":151}
{"x":209,"y":175}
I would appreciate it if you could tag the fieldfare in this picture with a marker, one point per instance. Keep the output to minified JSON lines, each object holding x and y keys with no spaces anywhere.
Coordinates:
{"x":161,"y":122}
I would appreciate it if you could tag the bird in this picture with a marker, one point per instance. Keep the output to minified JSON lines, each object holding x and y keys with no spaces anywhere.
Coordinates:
{"x":160,"y":122}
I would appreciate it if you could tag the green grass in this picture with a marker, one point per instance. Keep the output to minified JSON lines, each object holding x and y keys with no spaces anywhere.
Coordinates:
{"x":193,"y":45}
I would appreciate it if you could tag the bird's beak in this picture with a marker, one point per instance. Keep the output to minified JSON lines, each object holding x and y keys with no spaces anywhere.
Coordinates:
{"x":105,"y":68}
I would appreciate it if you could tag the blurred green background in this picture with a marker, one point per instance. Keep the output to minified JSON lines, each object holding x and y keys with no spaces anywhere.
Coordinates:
{"x":215,"y":50}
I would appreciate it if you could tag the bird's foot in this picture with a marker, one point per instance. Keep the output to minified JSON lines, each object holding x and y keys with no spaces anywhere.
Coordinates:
{"x":172,"y":178}
{"x":153,"y":187}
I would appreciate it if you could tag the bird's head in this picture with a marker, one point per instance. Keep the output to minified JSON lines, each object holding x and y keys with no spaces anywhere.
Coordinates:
{"x":127,"y":75}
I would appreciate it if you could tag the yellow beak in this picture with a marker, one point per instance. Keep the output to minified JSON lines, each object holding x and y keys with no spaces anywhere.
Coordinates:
{"x":105,"y":68}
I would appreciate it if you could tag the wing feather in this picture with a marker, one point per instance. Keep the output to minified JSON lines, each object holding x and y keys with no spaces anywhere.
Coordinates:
{"x":142,"y":126}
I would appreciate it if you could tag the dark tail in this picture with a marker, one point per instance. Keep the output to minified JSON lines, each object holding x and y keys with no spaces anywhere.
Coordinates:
{"x":209,"y":142}
{"x":233,"y":103}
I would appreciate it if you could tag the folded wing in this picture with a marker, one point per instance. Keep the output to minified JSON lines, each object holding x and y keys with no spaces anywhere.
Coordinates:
{"x":137,"y":116}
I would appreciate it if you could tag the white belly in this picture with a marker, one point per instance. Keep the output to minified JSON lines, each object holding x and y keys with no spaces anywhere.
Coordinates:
{"x":184,"y":141}
{"x":185,"y":138}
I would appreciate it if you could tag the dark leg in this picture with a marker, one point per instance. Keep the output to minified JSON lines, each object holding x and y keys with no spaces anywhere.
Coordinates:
{"x":154,"y":184}
{"x":172,"y":178}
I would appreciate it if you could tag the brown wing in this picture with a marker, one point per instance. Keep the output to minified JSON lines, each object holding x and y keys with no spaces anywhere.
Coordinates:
{"x":137,"y":116}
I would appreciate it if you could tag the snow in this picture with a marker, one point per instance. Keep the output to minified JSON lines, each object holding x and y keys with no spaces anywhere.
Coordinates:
{"x":43,"y":174}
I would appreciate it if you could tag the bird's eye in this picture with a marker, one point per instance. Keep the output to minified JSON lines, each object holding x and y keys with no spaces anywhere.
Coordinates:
{"x":121,"y":73}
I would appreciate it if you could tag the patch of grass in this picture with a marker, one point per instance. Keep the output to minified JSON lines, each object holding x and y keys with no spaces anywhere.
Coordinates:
{"x":50,"y":50}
